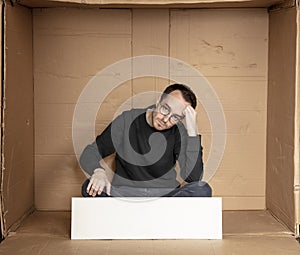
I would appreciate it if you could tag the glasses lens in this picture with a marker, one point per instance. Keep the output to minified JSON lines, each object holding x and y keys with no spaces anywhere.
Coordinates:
{"x":174,"y":118}
{"x":164,"y":110}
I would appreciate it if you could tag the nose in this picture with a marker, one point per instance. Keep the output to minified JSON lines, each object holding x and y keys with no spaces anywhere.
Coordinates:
{"x":166,"y":118}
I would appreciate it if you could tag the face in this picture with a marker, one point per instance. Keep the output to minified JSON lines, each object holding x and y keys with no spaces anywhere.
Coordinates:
{"x":169,"y":111}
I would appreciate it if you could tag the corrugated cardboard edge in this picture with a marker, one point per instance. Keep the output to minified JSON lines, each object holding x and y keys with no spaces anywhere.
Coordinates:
{"x":151,"y":3}
{"x":297,"y":135}
{"x":2,"y":223}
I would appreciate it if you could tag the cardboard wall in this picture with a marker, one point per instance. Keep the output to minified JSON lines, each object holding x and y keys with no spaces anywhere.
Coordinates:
{"x":230,"y":47}
{"x":18,"y":149}
{"x":281,"y":112}
{"x":1,"y":79}
{"x":297,"y":135}
{"x":70,"y":47}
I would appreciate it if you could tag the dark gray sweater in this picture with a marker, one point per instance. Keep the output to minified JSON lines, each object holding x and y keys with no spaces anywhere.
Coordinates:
{"x":145,"y":157}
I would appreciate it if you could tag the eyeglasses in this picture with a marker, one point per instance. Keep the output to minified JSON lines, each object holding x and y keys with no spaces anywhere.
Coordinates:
{"x":165,"y":110}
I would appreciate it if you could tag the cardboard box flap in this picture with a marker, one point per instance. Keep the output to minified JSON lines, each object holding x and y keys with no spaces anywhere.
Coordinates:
{"x":17,"y":133}
{"x":281,"y":109}
{"x":149,"y":3}
{"x":297,"y":137}
{"x":2,"y":225}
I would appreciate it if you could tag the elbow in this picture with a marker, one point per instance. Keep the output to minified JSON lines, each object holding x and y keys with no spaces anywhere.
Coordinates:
{"x":82,"y":158}
{"x":85,"y":158}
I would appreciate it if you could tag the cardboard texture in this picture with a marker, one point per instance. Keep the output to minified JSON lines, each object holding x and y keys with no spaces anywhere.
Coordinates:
{"x":244,"y":232}
{"x":247,"y":55}
{"x":233,"y":60}
{"x":155,"y":41}
{"x":240,"y":180}
{"x":18,"y":161}
{"x":297,"y":139}
{"x":151,"y":3}
{"x":280,"y":138}
{"x":100,"y":45}
{"x":2,"y":223}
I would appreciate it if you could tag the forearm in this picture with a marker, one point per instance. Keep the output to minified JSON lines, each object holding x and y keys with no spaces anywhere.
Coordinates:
{"x":191,"y":162}
{"x":90,"y":158}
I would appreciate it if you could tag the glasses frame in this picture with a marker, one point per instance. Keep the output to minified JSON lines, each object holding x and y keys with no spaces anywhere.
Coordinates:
{"x":165,"y":110}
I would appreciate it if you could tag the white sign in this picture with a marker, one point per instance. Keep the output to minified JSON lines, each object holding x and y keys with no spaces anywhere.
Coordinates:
{"x":147,"y":218}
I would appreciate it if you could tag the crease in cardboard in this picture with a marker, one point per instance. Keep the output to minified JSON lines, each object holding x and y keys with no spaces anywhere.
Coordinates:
{"x":2,"y":212}
{"x":284,"y":5}
{"x":263,"y":234}
{"x":13,"y":2}
{"x":297,"y":134}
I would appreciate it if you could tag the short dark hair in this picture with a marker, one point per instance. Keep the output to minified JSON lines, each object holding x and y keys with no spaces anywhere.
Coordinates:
{"x":186,"y":92}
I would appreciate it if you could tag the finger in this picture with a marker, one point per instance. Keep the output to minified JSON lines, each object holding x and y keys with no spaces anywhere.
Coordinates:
{"x":100,"y":190}
{"x":94,"y":192}
{"x":190,"y":112}
{"x":100,"y":187}
{"x":108,"y":187}
{"x":187,"y":110}
{"x":91,"y":192}
{"x":190,"y":109}
{"x":89,"y":186}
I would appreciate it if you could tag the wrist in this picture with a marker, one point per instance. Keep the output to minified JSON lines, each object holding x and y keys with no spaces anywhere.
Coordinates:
{"x":99,"y":170}
{"x":192,"y":132}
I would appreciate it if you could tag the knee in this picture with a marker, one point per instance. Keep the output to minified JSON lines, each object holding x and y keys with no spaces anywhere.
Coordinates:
{"x":201,"y":189}
{"x":205,"y":189}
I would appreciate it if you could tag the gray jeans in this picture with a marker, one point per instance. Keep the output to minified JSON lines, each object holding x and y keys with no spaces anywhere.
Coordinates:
{"x":193,"y":189}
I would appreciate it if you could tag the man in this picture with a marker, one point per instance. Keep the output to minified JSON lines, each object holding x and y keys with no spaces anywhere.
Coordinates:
{"x":148,"y":143}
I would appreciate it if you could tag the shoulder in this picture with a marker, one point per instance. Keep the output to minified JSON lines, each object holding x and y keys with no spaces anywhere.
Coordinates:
{"x":132,"y":113}
{"x":128,"y":117}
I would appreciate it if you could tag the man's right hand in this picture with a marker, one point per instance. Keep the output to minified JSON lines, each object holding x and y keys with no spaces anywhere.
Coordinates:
{"x":97,"y":183}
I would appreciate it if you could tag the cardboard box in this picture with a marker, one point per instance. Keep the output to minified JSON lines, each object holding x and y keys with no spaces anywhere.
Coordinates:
{"x":249,"y":55}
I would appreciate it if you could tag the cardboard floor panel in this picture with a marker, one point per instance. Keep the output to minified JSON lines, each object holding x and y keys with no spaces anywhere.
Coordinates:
{"x":245,"y":232}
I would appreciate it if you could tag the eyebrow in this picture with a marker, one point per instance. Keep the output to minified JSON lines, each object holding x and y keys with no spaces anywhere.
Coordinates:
{"x":167,"y":106}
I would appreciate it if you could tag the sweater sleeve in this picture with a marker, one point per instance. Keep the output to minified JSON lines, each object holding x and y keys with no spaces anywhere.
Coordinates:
{"x":90,"y":158}
{"x":101,"y":148}
{"x":188,"y":152}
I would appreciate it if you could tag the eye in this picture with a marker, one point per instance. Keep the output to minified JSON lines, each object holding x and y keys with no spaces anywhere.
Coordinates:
{"x":164,"y":109}
{"x":175,"y":118}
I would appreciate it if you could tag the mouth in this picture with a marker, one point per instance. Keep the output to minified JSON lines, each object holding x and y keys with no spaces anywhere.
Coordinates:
{"x":160,"y":123}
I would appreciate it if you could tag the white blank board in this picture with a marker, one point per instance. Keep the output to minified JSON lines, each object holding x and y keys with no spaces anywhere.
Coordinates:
{"x":147,"y":218}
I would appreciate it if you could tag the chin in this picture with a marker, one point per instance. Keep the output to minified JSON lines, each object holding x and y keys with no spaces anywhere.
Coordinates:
{"x":158,"y":126}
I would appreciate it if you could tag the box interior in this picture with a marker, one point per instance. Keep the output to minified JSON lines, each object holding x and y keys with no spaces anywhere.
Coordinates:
{"x":244,"y":232}
{"x":248,"y":55}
